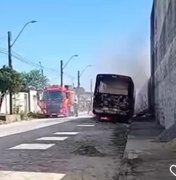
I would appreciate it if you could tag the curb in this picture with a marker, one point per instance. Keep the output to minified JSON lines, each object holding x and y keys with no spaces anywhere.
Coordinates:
{"x":125,"y":169}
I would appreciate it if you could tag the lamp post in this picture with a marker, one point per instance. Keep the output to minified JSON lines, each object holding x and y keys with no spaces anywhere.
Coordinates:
{"x":79,"y":76}
{"x":10,"y":45}
{"x":81,"y":73}
{"x":62,"y":67}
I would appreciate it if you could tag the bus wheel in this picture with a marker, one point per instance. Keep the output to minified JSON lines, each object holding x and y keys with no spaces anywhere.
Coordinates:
{"x":126,"y":120}
{"x":98,"y":118}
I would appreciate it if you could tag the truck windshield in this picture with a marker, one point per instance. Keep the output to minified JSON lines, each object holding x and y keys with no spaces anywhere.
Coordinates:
{"x":111,"y":85}
{"x":53,"y":96}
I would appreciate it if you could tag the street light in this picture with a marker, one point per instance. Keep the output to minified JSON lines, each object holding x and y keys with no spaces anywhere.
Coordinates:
{"x":79,"y":75}
{"x":63,"y":67}
{"x":10,"y":45}
{"x":30,"y":22}
{"x":82,"y":72}
{"x":70,"y":60}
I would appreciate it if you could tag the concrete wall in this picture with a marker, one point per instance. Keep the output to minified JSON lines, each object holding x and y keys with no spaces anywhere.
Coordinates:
{"x":22,"y":102}
{"x":164,"y":61}
{"x":33,"y":102}
{"x":5,"y":105}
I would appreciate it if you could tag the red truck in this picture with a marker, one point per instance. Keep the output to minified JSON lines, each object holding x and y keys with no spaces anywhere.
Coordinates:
{"x":57,"y":101}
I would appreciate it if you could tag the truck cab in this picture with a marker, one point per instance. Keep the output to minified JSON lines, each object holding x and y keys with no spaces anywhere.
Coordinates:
{"x":56,"y":101}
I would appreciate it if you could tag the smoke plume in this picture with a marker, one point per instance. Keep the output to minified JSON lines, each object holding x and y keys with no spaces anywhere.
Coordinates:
{"x":130,"y":58}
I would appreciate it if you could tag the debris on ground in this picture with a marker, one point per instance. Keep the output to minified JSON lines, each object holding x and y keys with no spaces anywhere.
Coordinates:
{"x":143,"y":116}
{"x":88,"y":150}
{"x":128,"y":167}
{"x":120,"y":139}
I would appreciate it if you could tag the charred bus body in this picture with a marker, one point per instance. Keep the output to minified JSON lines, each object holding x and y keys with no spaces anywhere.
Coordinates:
{"x":113,"y":97}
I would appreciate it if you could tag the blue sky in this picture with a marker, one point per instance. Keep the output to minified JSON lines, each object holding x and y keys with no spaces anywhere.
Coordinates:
{"x":111,"y":35}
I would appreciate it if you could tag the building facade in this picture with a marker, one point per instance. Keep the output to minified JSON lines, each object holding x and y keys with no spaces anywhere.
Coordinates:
{"x":163,"y":61}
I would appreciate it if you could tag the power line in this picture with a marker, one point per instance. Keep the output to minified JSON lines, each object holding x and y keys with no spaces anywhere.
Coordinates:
{"x":24,"y":60}
{"x":3,"y":52}
{"x":31,"y":63}
{"x":69,"y":76}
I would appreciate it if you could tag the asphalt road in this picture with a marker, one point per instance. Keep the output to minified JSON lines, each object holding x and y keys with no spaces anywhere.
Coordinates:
{"x":66,"y":149}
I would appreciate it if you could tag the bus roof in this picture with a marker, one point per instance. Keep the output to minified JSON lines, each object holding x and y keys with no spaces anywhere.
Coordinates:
{"x":115,"y":75}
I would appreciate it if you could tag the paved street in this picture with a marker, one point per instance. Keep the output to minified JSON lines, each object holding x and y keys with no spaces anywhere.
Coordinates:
{"x":67,"y":149}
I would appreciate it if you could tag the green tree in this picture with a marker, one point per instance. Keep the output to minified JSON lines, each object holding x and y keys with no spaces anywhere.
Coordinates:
{"x":34,"y":80}
{"x":10,"y":80}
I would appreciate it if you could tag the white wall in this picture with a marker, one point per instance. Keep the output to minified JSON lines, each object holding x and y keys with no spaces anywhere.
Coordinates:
{"x":21,"y":100}
{"x":5,"y":105}
{"x":33,"y":102}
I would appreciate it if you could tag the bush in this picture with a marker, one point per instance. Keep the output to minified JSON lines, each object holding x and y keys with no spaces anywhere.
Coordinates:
{"x":32,"y":115}
{"x":23,"y":115}
{"x":35,"y":115}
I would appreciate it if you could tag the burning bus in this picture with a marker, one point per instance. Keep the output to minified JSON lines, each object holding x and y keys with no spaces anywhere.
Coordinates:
{"x":113,"y":97}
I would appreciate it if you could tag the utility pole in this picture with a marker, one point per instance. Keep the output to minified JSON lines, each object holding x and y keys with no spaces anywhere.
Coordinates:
{"x":41,"y":69}
{"x":63,"y":66}
{"x":61,"y":72}
{"x":91,"y":91}
{"x":42,"y":80}
{"x":10,"y":65}
{"x":78,"y":89}
{"x":10,"y":44}
{"x":78,"y":79}
{"x":9,"y":50}
{"x":91,"y":95}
